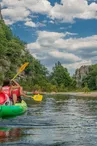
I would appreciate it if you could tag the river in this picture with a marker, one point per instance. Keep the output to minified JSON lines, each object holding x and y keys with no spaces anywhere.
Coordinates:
{"x":56,"y":121}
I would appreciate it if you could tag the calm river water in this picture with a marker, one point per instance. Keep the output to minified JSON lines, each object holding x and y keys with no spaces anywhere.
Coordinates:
{"x":56,"y":121}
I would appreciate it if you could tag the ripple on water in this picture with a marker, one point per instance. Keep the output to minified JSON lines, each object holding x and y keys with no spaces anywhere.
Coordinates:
{"x":56,"y":121}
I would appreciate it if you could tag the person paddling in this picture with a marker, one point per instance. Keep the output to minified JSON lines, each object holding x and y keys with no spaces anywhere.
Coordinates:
{"x":14,"y":91}
{"x":18,"y":92}
{"x":7,"y":89}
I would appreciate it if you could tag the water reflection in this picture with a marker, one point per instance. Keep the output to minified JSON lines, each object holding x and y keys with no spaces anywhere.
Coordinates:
{"x":9,"y":134}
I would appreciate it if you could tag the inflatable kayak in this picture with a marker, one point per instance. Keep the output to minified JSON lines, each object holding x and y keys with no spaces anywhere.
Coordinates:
{"x":13,"y":110}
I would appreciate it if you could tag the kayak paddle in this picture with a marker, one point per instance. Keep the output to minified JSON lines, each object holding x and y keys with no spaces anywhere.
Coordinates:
{"x":21,"y":69}
{"x":37,"y":97}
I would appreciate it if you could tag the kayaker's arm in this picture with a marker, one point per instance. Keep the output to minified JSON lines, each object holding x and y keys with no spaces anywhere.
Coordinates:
{"x":31,"y":93}
{"x":15,"y":85}
{"x":23,"y":94}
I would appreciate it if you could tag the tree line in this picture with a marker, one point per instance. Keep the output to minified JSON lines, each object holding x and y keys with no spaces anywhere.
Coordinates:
{"x":36,"y":76}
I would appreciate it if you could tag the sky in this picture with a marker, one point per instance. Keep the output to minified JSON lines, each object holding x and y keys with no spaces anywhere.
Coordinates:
{"x":55,"y":30}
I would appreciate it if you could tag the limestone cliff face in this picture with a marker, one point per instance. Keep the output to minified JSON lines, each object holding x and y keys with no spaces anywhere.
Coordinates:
{"x":0,"y":13}
{"x":80,"y":74}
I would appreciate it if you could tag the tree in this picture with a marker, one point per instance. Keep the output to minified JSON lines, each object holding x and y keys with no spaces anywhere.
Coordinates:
{"x":91,"y":78}
{"x":86,"y":89}
{"x":60,"y":75}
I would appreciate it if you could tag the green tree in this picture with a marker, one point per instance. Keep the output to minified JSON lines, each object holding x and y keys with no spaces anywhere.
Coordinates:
{"x":86,"y":89}
{"x":91,"y":78}
{"x":60,"y":76}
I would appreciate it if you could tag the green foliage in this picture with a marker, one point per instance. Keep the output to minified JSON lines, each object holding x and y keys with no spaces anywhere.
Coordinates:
{"x":60,"y":76}
{"x":86,"y":89}
{"x":1,"y":77}
{"x":36,"y":87}
{"x":2,"y":50}
{"x":91,"y":78}
{"x":61,"y":88}
{"x":36,"y":75}
{"x":73,"y":84}
{"x":53,"y":88}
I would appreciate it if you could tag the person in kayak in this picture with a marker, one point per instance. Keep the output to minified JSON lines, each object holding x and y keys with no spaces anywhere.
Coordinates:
{"x":14,"y":91}
{"x":18,"y":92}
{"x":7,"y":88}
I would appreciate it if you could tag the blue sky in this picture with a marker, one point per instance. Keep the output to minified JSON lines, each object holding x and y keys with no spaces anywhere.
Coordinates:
{"x":55,"y":30}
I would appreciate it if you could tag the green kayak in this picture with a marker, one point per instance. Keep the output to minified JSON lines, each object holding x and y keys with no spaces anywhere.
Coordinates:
{"x":13,"y":110}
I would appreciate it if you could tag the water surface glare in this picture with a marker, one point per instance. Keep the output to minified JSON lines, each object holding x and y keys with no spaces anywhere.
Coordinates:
{"x":56,"y":121}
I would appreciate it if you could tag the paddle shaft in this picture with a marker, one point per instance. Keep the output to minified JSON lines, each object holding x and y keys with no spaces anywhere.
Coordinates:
{"x":21,"y":69}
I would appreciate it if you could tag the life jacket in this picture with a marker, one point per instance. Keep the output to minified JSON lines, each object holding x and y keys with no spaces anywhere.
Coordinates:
{"x":7,"y":90}
{"x":16,"y":91}
{"x":3,"y":98}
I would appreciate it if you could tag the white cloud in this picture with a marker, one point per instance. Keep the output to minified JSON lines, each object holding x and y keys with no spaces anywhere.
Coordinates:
{"x":51,"y":47}
{"x":57,"y":41}
{"x":67,"y":11}
{"x":8,"y":21}
{"x":38,"y":6}
{"x":52,"y":35}
{"x":49,"y":39}
{"x":11,"y":3}
{"x":20,"y":10}
{"x":64,"y":55}
{"x":77,"y":43}
{"x":77,"y":64}
{"x":33,"y":46}
{"x":16,"y":14}
{"x":30,"y":23}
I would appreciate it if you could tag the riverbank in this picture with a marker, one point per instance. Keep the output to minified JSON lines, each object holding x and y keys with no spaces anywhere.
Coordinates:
{"x":89,"y":94}
{"x":81,"y":94}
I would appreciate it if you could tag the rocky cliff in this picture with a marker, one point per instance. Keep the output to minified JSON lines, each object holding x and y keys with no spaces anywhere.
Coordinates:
{"x":80,"y":73}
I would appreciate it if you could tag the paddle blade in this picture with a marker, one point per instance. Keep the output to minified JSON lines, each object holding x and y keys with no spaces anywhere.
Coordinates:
{"x":23,"y":67}
{"x":37,"y":97}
